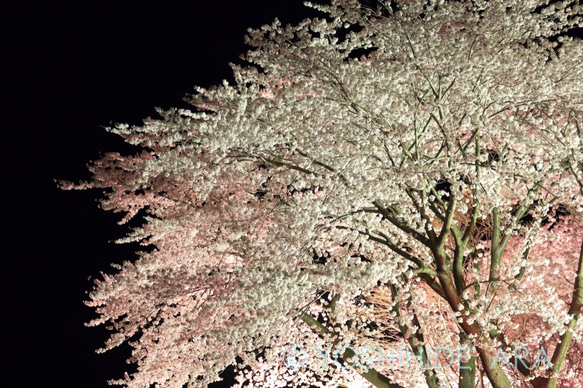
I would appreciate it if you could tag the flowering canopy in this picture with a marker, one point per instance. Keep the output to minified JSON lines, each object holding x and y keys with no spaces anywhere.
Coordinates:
{"x":408,"y":175}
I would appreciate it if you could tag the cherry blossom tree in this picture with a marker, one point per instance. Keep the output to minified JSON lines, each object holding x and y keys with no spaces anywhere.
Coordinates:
{"x":387,"y":195}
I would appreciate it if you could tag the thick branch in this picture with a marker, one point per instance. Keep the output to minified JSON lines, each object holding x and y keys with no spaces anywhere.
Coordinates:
{"x":467,"y":375}
{"x":575,"y":311}
{"x":371,"y":375}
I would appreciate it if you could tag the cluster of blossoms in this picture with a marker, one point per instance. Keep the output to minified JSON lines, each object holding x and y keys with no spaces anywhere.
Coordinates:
{"x":408,"y":174}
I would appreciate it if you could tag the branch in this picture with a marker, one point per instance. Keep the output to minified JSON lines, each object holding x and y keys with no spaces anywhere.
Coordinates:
{"x":421,"y":209}
{"x":467,"y":376}
{"x":444,"y":233}
{"x":416,"y":341}
{"x":565,"y":339}
{"x":462,"y":242}
{"x":495,"y":252}
{"x":499,"y":243}
{"x":371,"y":375}
{"x":401,"y":225}
{"x":291,"y":166}
{"x":387,"y":242}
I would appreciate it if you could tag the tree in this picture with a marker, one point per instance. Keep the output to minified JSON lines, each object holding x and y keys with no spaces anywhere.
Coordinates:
{"x":404,"y":176}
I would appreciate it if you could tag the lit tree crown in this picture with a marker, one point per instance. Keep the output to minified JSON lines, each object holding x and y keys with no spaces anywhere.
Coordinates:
{"x":411,"y":156}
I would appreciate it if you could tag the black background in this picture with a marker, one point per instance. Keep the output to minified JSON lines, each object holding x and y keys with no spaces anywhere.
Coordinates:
{"x":69,"y":68}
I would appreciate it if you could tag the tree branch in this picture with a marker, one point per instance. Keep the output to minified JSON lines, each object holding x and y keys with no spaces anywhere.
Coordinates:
{"x":401,"y":225}
{"x":371,"y":375}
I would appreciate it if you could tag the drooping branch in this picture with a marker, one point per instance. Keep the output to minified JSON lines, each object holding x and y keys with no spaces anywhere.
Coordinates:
{"x":416,"y":341}
{"x":371,"y":375}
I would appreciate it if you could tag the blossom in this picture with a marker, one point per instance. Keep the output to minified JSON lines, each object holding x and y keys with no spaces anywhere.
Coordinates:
{"x":430,"y":189}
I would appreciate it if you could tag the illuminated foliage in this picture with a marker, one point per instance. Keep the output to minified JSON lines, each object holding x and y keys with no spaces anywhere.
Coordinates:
{"x":407,"y":176}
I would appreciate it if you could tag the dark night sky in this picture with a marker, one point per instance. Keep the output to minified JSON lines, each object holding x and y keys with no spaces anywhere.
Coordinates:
{"x":68,"y":70}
